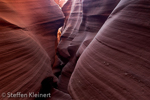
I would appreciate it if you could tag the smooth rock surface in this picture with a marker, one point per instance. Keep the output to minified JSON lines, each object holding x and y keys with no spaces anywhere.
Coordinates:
{"x":28,"y":36}
{"x":77,"y":36}
{"x":23,"y":63}
{"x":116,"y":66}
{"x":66,"y":9}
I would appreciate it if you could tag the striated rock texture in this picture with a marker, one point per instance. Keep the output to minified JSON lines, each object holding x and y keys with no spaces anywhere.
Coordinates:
{"x":84,"y":22}
{"x":68,"y":34}
{"x":23,"y":62}
{"x":116,"y":66}
{"x":28,"y":36}
{"x":45,"y":27}
{"x":41,"y":18}
{"x":66,"y":10}
{"x":73,"y":24}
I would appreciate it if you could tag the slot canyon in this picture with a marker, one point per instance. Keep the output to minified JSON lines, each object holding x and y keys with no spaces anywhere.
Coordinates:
{"x":74,"y":49}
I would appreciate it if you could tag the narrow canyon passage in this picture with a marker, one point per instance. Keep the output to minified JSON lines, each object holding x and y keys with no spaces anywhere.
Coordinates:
{"x":74,"y":50}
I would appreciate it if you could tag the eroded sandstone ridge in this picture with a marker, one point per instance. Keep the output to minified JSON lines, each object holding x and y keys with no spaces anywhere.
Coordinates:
{"x":103,"y":53}
{"x":116,"y":66}
{"x":28,"y":36}
{"x":85,"y":20}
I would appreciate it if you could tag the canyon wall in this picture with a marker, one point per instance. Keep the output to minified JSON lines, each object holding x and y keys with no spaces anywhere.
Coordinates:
{"x":28,"y":36}
{"x":102,"y":54}
{"x":85,"y":20}
{"x":115,"y":65}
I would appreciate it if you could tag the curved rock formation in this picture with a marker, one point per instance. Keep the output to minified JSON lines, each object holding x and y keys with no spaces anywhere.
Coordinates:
{"x":106,"y":49}
{"x":69,"y":32}
{"x":28,"y":35}
{"x":66,"y":10}
{"x":116,"y":66}
{"x":41,"y":18}
{"x":23,"y":62}
{"x":77,"y":35}
{"x":46,"y":25}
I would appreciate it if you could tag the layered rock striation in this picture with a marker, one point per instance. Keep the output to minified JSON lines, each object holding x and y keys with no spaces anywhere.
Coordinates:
{"x":85,"y":20}
{"x":28,"y":36}
{"x":115,"y":65}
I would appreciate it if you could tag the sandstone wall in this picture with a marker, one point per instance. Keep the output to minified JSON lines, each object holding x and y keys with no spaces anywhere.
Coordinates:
{"x":115,"y":65}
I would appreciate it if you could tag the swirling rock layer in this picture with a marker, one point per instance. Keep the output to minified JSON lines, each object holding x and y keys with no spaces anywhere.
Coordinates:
{"x":28,"y":32}
{"x":116,"y":66}
{"x":85,"y":20}
{"x":23,"y":63}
